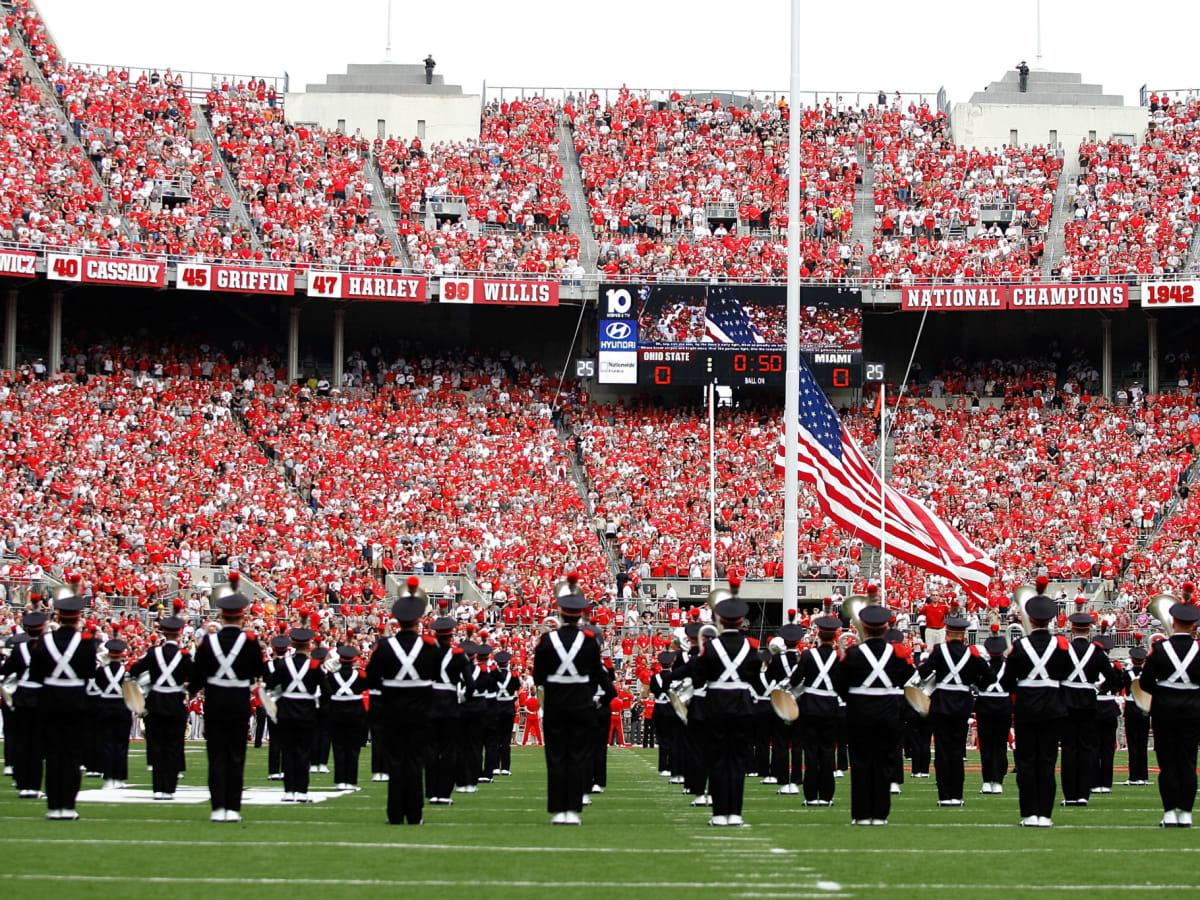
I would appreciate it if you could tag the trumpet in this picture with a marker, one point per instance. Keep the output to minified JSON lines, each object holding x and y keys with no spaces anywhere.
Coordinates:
{"x":1021,"y":596}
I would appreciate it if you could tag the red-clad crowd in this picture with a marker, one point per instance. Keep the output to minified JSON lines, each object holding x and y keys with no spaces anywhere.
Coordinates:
{"x":668,"y":183}
{"x":1136,"y":208}
{"x":648,"y":484}
{"x":510,"y":182}
{"x":944,"y":212}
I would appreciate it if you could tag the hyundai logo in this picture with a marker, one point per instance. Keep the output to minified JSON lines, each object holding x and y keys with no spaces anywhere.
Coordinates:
{"x":618,"y":331}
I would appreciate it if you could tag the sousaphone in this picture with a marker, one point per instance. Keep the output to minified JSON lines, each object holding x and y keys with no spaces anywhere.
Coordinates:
{"x":1160,"y":608}
{"x":851,"y":607}
{"x":1021,"y":596}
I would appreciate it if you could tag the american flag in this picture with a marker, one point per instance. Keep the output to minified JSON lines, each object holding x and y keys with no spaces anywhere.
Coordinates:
{"x":726,"y":322}
{"x":848,"y":487}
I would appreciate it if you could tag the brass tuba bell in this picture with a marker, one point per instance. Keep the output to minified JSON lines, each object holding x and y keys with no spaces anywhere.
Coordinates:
{"x":1022,"y":595}
{"x":852,"y":606}
{"x":567,"y":586}
{"x":1160,"y":608}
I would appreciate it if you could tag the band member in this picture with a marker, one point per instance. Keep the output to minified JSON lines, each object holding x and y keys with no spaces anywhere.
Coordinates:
{"x":1089,"y":667}
{"x":1171,"y":676}
{"x":112,"y":716}
{"x":819,"y":712}
{"x":724,"y":669}
{"x":1137,"y":724}
{"x":168,"y":669}
{"x":62,"y":663}
{"x":606,"y":692}
{"x":786,"y":747}
{"x":226,"y":666}
{"x":764,"y":719}
{"x":403,"y":668}
{"x":1033,"y":674}
{"x":468,"y":752}
{"x":871,"y":679}
{"x":322,"y":743}
{"x":1108,"y":711}
{"x":347,"y":718}
{"x":452,"y":679}
{"x":663,"y":716}
{"x":695,"y":730}
{"x":954,"y":668}
{"x":300,"y":686}
{"x":281,"y":645}
{"x":486,"y":692}
{"x":20,"y":724}
{"x":566,"y":665}
{"x":993,"y":718}
{"x":506,"y":695}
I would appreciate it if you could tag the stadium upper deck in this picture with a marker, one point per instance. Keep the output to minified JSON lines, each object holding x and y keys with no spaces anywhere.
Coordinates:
{"x":677,"y":188}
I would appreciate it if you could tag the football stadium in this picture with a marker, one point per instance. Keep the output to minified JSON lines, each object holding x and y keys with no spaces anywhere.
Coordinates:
{"x":414,"y":479}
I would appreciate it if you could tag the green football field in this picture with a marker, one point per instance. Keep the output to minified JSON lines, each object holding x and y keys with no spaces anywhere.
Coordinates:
{"x":639,"y":839}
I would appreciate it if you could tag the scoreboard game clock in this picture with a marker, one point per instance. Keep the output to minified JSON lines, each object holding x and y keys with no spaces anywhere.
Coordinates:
{"x":744,"y":367}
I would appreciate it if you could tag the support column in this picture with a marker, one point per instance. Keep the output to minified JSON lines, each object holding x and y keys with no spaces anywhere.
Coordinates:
{"x":339,"y":346}
{"x":10,"y":332}
{"x":293,"y":344}
{"x":1152,"y":352}
{"x":1106,"y":385}
{"x":55,"y":361}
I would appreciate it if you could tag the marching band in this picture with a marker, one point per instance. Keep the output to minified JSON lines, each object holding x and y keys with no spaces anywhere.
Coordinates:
{"x":441,"y":713}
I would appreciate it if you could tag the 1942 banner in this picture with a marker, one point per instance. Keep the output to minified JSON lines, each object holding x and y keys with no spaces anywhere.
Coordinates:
{"x":498,"y":292}
{"x":366,"y":286}
{"x":234,"y":279}
{"x":1182,"y":294}
{"x":106,"y":270}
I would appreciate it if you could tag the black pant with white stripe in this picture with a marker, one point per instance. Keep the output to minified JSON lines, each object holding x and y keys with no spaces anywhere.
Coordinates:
{"x":164,"y":747}
{"x":950,"y":743}
{"x":993,"y":747}
{"x":1035,"y":753}
{"x":1175,"y":742}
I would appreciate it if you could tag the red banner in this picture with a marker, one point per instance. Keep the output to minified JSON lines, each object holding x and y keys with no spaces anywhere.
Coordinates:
{"x":1068,"y":296}
{"x":498,"y":292}
{"x":955,"y":297}
{"x":18,"y":264}
{"x":234,"y":279}
{"x":366,"y":286}
{"x":131,"y":272}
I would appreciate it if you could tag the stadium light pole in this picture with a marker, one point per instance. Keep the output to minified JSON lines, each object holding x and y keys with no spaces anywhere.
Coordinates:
{"x":791,"y":397}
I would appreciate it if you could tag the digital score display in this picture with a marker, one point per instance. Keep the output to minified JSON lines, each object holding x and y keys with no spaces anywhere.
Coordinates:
{"x":687,"y":334}
{"x":742,"y":368}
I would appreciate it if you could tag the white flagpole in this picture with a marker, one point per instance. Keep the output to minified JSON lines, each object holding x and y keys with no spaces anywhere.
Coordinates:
{"x":791,"y":405}
{"x":882,"y":496}
{"x":712,"y":491}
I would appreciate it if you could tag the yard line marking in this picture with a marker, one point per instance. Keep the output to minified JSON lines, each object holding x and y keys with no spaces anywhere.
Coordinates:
{"x":1026,"y":887}
{"x":387,"y":845}
{"x":358,"y":882}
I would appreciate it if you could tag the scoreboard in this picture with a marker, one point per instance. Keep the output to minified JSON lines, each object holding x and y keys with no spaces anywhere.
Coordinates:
{"x":687,"y":334}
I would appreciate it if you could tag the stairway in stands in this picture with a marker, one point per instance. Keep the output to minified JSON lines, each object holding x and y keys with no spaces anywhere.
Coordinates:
{"x":572,"y":182}
{"x":238,"y":209}
{"x":1062,"y":213}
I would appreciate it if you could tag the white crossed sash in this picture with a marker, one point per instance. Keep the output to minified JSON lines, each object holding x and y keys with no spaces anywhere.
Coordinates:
{"x":567,"y":672}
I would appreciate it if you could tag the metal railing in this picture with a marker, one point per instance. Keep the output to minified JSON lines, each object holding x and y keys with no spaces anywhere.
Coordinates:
{"x":607,"y":95}
{"x":194,"y":84}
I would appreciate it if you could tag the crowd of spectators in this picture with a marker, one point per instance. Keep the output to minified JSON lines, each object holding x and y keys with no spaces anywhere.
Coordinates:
{"x":1135,"y":209}
{"x":669,"y":182}
{"x":510,"y":183}
{"x":946,"y":212}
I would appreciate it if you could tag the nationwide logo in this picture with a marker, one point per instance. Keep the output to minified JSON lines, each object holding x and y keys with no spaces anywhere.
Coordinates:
{"x":618,"y":331}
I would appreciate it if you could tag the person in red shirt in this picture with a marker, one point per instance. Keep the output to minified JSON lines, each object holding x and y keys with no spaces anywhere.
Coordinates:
{"x":934,"y":612}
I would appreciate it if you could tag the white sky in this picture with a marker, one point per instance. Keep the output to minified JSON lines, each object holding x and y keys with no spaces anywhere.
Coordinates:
{"x":855,"y":46}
